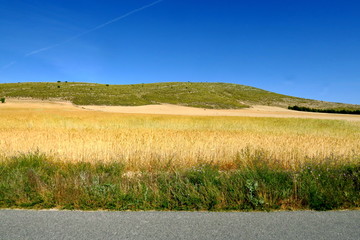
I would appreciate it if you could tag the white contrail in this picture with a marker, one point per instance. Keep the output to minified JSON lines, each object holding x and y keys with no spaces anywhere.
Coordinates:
{"x":119,"y":18}
{"x":8,"y":65}
{"x":42,"y":50}
{"x":86,"y":32}
{"x":94,"y":29}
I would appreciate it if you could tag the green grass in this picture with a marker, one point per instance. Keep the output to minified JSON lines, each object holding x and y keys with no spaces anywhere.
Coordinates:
{"x":203,"y":95}
{"x":35,"y":181}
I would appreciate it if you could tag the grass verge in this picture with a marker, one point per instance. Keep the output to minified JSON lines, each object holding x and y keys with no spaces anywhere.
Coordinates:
{"x":35,"y":181}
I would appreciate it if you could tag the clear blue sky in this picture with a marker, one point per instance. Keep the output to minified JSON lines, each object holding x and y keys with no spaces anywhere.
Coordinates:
{"x":307,"y":48}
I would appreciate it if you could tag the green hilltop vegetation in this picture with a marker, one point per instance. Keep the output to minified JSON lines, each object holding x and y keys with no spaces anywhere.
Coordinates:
{"x":194,"y":94}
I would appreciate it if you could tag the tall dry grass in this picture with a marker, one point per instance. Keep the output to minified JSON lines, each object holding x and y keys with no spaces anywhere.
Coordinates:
{"x":156,"y":141}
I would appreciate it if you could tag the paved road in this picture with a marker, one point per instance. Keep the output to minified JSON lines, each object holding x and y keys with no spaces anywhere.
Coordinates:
{"x":20,"y":224}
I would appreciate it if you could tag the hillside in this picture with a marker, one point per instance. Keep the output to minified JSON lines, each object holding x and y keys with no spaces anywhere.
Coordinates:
{"x":204,"y":95}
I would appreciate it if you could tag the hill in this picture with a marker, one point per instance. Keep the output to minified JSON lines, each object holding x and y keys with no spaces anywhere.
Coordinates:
{"x":204,"y":95}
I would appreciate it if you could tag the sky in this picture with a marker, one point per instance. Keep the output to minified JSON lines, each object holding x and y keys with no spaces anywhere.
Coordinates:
{"x":307,"y":48}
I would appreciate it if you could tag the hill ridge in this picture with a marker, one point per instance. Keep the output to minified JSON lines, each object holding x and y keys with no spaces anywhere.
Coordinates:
{"x":213,"y":95}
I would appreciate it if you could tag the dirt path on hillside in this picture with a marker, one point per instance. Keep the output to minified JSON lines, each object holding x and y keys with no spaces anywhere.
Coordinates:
{"x":28,"y":103}
{"x":168,"y":109}
{"x":255,"y":111}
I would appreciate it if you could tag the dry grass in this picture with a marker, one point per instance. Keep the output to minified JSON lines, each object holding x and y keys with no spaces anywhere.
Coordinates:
{"x":153,"y":141}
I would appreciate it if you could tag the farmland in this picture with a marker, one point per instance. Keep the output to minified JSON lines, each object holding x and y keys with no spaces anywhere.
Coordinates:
{"x":58,"y":150}
{"x":71,"y":134}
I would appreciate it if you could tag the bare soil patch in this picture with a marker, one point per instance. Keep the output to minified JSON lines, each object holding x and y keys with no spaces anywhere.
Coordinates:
{"x":168,"y":109}
{"x":29,"y":103}
{"x":255,"y":111}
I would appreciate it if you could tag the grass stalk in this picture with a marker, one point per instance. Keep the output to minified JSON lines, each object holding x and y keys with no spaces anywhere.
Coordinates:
{"x":37,"y":181}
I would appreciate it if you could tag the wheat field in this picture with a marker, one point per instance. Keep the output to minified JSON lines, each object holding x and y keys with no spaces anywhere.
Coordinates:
{"x":158,"y":141}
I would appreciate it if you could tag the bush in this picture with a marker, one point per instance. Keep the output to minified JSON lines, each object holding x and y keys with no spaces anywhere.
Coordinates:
{"x":339,"y":111}
{"x":2,"y":100}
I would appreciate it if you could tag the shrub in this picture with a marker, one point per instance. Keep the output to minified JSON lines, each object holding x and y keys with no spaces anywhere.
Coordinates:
{"x":2,"y":100}
{"x":339,"y":111}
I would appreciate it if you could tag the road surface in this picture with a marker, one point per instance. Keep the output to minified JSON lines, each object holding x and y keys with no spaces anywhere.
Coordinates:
{"x":31,"y":224}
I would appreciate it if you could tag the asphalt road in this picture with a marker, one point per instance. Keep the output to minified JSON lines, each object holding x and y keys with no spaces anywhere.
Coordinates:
{"x":21,"y":224}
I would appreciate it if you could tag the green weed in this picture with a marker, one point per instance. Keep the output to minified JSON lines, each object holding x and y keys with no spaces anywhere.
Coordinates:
{"x":35,"y":181}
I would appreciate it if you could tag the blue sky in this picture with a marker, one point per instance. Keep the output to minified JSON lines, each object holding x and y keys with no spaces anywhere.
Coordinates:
{"x":304,"y":48}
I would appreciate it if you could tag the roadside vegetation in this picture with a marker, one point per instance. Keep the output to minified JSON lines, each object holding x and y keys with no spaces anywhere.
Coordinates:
{"x":202,"y":95}
{"x":72,"y":159}
{"x":35,"y":181}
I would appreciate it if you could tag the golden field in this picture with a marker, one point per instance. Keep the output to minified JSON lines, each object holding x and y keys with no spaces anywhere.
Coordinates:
{"x":145,"y":141}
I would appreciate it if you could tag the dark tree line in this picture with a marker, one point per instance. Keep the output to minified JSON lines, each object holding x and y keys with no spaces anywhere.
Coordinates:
{"x":306,"y":109}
